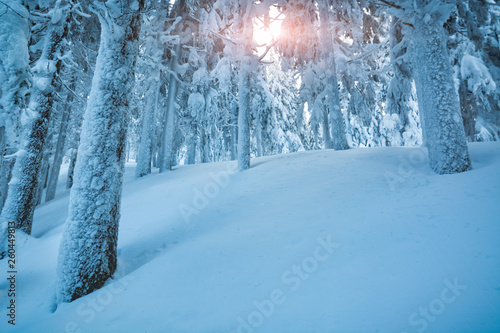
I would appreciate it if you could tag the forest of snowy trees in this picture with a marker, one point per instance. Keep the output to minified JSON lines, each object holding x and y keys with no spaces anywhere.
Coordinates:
{"x":93,"y":84}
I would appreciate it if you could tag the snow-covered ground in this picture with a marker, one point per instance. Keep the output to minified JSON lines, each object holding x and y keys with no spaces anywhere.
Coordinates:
{"x":364,"y":240}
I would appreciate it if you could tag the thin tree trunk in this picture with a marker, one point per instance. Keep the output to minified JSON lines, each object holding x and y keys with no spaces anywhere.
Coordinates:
{"x":45,"y":166}
{"x":243,"y":119}
{"x":234,"y":130}
{"x":203,"y":146}
{"x":147,"y":129}
{"x":339,"y":136}
{"x":168,"y":133}
{"x":258,"y":137}
{"x":191,"y":147}
{"x":71,"y":168}
{"x":3,"y":168}
{"x":59,"y":151}
{"x":326,"y":130}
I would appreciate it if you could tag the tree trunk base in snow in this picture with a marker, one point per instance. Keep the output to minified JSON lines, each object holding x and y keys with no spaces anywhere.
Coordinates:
{"x":438,"y":100}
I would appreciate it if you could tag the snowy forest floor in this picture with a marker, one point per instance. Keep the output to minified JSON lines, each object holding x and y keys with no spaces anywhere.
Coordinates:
{"x":379,"y":243}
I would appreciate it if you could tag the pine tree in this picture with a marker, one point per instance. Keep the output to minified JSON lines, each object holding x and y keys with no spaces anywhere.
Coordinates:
{"x":437,"y":98}
{"x":15,"y":82}
{"x":88,"y":250}
{"x":22,"y":196}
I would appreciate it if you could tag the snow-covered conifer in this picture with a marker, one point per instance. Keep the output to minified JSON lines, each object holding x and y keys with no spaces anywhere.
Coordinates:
{"x":88,"y":250}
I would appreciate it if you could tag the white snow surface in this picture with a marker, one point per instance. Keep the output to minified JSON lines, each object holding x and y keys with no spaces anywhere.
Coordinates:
{"x":401,"y":236}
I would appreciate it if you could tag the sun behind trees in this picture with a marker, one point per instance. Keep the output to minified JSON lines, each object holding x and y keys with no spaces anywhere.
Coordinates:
{"x":184,"y":82}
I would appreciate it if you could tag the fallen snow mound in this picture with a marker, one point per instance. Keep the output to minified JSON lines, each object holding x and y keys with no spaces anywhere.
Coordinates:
{"x":364,"y":240}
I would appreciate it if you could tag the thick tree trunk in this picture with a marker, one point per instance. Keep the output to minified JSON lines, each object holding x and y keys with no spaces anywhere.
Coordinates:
{"x":15,"y":80}
{"x":22,"y":195}
{"x":88,"y":250}
{"x":438,"y":100}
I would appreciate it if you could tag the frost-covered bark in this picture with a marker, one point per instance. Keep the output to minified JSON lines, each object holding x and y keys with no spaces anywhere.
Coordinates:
{"x":327,"y":139}
{"x":148,"y":128}
{"x":234,"y":131}
{"x":59,"y":150}
{"x":169,"y":131}
{"x":399,"y":90}
{"x":71,"y":169}
{"x":15,"y":81}
{"x":437,"y":98}
{"x":6,"y":165}
{"x":45,"y":165}
{"x":22,"y":195}
{"x":336,"y":118}
{"x":245,"y":57}
{"x":88,"y":250}
{"x":243,"y":118}
{"x":15,"y":76}
{"x":191,"y":147}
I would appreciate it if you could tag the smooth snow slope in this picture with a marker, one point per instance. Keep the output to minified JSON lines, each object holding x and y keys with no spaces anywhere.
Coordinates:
{"x":364,"y":240}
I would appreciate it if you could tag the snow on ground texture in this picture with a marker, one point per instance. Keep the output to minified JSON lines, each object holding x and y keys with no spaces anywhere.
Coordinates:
{"x":364,"y":240}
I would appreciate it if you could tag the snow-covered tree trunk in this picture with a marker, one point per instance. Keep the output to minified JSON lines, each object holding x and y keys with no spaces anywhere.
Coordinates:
{"x":469,"y":109}
{"x":326,"y":130}
{"x":243,"y":117}
{"x":234,"y":130}
{"x":339,"y":136}
{"x":3,"y":164}
{"x":6,"y":165}
{"x":258,"y":136}
{"x":399,"y":90}
{"x":169,"y":131}
{"x":245,"y":57}
{"x":437,"y":97}
{"x":15,"y":75}
{"x":44,"y":168}
{"x":59,"y":150}
{"x":148,"y":128}
{"x":15,"y":81}
{"x":88,"y":249}
{"x":71,"y":168}
{"x":22,"y":194}
{"x":191,"y":146}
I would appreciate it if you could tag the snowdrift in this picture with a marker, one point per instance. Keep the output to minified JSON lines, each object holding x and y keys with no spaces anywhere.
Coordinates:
{"x":364,"y":240}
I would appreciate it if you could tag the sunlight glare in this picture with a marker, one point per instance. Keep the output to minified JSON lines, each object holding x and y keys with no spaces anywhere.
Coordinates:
{"x":263,"y":35}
